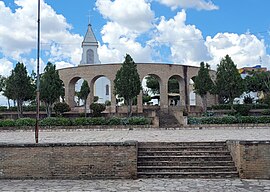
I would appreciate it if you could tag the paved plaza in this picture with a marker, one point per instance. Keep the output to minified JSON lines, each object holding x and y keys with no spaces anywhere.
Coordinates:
{"x":178,"y":135}
{"x":157,"y":185}
{"x":145,"y":185}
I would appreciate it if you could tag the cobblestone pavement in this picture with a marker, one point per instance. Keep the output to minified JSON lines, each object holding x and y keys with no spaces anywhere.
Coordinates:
{"x":84,"y":135}
{"x":145,"y":185}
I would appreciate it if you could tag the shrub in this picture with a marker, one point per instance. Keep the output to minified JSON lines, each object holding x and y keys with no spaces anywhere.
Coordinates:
{"x":228,"y":107}
{"x":108,"y":103}
{"x":266,"y":112}
{"x":194,"y":120}
{"x":80,"y":121}
{"x":60,"y":108}
{"x":266,"y":100}
{"x":97,"y":121}
{"x":55,"y":121}
{"x":114,"y":121}
{"x":243,"y":109}
{"x":138,"y":121}
{"x":229,"y":120}
{"x":3,"y":108}
{"x":25,"y":122}
{"x":97,"y":109}
{"x":7,"y":123}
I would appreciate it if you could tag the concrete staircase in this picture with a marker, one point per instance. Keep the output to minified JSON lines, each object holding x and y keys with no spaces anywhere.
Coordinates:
{"x":185,"y":160}
{"x":167,"y":119}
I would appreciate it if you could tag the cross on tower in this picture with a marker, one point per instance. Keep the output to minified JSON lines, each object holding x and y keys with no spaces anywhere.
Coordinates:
{"x":89,"y":17}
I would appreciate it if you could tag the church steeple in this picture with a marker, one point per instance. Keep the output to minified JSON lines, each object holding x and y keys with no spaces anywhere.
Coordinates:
{"x":90,"y":46}
{"x":89,"y":38}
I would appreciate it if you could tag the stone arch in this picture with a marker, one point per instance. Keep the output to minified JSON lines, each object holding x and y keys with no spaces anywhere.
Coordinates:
{"x":101,"y":84}
{"x":156,"y":94}
{"x":90,"y":56}
{"x":176,"y":95}
{"x":163,"y":71}
{"x":72,"y":89}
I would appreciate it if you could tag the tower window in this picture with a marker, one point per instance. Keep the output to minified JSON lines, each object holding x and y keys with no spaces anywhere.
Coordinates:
{"x":90,"y":56}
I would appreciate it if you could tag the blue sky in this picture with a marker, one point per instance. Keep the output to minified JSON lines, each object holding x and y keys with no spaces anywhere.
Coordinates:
{"x":164,"y":31}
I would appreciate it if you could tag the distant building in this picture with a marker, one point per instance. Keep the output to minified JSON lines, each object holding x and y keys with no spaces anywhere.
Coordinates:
{"x":245,"y":71}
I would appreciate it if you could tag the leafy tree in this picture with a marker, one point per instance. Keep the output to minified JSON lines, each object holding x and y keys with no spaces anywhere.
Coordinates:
{"x":60,"y":108}
{"x":2,"y":83}
{"x":258,"y":81}
{"x":97,"y":109}
{"x":3,"y":89}
{"x":127,"y":82}
{"x":153,"y":84}
{"x":203,"y":83}
{"x":19,"y":87}
{"x":229,"y":83}
{"x":51,"y":87}
{"x":83,"y":94}
{"x":173,"y":85}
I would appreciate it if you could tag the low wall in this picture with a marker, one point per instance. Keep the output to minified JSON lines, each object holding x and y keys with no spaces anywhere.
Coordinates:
{"x":252,"y":158}
{"x":69,"y":161}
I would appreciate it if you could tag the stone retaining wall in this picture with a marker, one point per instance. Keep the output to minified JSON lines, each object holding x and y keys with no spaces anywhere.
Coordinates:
{"x":252,"y":158}
{"x":109,"y":160}
{"x":69,"y":161}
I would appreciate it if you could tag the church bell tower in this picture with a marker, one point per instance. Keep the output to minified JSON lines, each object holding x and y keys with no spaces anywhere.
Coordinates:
{"x":89,"y":46}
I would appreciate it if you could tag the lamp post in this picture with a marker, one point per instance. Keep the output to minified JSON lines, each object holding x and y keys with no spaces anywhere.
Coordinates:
{"x":38,"y":79}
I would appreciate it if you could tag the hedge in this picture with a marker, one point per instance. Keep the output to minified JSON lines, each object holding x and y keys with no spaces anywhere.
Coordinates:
{"x":235,"y":106}
{"x":81,"y":121}
{"x":229,"y":120}
{"x":25,"y":108}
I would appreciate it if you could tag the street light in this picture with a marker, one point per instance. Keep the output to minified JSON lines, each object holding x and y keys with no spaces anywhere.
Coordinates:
{"x":38,"y":80}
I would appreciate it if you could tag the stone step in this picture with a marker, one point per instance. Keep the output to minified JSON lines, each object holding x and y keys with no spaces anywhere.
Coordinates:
{"x":198,"y":158}
{"x":216,"y":175}
{"x":183,"y":148}
{"x":183,"y":153}
{"x":185,"y":160}
{"x":189,"y":144}
{"x":186,"y":163}
{"x":196,"y":169}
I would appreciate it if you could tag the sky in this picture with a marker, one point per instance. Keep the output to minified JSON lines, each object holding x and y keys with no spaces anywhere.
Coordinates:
{"x":163,"y":31}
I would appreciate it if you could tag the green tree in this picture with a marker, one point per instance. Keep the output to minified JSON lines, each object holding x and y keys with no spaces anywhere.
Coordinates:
{"x":127,"y":82}
{"x":60,"y":108}
{"x":51,"y":87}
{"x":2,"y":83}
{"x":229,"y":83}
{"x":83,"y":94}
{"x":173,"y":85}
{"x":153,"y":84}
{"x":19,"y":87}
{"x":97,"y":108}
{"x":258,"y":81}
{"x":203,"y":83}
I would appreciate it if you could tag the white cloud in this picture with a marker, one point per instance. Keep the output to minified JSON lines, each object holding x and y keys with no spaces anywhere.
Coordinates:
{"x":197,"y":4}
{"x":62,"y":64}
{"x":185,"y":41}
{"x":134,"y":15}
{"x":6,"y":67}
{"x":244,"y":49}
{"x":18,"y":32}
{"x":127,"y":20}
